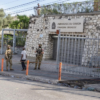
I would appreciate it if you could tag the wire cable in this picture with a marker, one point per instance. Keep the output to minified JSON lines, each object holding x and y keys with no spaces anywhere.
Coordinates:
{"x":9,"y":2}
{"x":29,"y":3}
{"x":31,"y":8}
{"x":21,"y":11}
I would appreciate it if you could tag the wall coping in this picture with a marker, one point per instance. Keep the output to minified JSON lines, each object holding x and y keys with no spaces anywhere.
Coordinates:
{"x":77,"y":14}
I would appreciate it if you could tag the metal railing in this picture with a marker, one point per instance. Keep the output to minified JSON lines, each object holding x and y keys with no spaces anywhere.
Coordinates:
{"x":79,"y":55}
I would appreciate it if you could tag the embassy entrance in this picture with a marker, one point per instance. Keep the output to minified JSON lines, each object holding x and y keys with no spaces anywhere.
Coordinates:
{"x":71,"y":49}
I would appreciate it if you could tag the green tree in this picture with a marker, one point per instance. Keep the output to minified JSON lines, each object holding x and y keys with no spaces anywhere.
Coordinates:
{"x":5,"y":20}
{"x":22,"y":22}
{"x":50,"y":9}
{"x":2,"y":15}
{"x":14,"y":24}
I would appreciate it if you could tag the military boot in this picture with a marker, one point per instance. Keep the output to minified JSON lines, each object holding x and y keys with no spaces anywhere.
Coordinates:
{"x":11,"y":69}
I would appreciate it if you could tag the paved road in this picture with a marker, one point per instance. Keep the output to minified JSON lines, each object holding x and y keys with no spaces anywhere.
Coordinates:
{"x":20,"y":89}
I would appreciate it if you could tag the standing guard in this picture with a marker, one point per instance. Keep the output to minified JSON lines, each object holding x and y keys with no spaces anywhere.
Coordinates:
{"x":38,"y":9}
{"x":8,"y":57}
{"x":39,"y":56}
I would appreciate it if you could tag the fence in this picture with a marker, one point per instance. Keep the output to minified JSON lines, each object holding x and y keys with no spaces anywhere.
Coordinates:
{"x":16,"y":40}
{"x":79,"y":55}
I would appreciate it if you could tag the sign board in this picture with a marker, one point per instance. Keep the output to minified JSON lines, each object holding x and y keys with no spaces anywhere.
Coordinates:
{"x":41,"y":35}
{"x":65,"y":25}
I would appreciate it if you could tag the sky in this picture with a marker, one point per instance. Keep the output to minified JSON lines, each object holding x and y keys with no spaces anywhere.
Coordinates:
{"x":11,"y":3}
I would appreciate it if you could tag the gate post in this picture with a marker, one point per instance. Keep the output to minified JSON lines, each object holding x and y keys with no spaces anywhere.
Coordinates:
{"x":14,"y":41}
{"x":2,"y":42}
{"x":58,"y":45}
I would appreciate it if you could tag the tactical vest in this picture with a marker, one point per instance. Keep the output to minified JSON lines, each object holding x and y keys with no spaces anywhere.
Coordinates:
{"x":39,"y":52}
{"x":9,"y":55}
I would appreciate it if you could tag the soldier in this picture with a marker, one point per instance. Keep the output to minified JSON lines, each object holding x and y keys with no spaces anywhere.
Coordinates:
{"x":8,"y":57}
{"x":38,"y":9}
{"x":39,"y":56}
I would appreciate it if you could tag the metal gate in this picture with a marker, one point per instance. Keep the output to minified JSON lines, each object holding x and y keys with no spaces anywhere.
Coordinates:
{"x":17,"y":41}
{"x":79,"y":55}
{"x":7,"y":40}
{"x":20,"y":39}
{"x":54,"y":48}
{"x":67,"y":48}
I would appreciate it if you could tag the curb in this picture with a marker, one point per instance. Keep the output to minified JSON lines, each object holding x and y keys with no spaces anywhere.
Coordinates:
{"x":48,"y":81}
{"x":91,"y":88}
{"x":29,"y":77}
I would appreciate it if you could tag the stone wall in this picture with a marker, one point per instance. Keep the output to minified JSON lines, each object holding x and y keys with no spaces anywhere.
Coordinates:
{"x":39,"y":33}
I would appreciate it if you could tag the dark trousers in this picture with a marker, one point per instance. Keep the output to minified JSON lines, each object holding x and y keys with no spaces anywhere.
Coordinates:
{"x":23,"y":65}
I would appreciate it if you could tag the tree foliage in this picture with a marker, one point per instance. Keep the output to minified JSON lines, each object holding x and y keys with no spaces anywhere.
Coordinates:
{"x":49,"y":10}
{"x":22,"y":22}
{"x":5,"y":20}
{"x":68,"y":8}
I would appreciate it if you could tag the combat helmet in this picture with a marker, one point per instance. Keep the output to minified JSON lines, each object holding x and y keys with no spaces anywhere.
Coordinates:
{"x":8,"y":46}
{"x":40,"y":45}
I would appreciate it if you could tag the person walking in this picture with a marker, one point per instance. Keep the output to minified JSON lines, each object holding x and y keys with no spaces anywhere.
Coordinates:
{"x":8,"y":57}
{"x":39,"y":56}
{"x":23,"y":59}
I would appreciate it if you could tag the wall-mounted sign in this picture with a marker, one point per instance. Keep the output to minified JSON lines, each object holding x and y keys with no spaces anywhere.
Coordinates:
{"x":41,"y":35}
{"x":65,"y":25}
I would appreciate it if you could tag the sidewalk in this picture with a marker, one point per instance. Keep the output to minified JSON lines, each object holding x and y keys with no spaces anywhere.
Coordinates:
{"x":48,"y":70}
{"x":47,"y":74}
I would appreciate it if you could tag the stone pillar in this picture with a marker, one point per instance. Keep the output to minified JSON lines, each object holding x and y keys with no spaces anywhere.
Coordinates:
{"x":38,"y":33}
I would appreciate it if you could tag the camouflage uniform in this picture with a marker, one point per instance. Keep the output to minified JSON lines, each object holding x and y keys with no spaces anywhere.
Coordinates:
{"x":39,"y":56}
{"x":8,"y":57}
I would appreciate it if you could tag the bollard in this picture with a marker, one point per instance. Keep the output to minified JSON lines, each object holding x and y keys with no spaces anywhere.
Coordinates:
{"x":60,"y":66}
{"x":27,"y":67}
{"x":2,"y":63}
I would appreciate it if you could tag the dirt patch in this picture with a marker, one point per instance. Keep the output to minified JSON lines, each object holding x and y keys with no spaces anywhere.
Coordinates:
{"x":80,"y":83}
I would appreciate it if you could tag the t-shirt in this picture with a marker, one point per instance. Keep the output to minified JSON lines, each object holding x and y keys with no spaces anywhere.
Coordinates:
{"x":24,"y":55}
